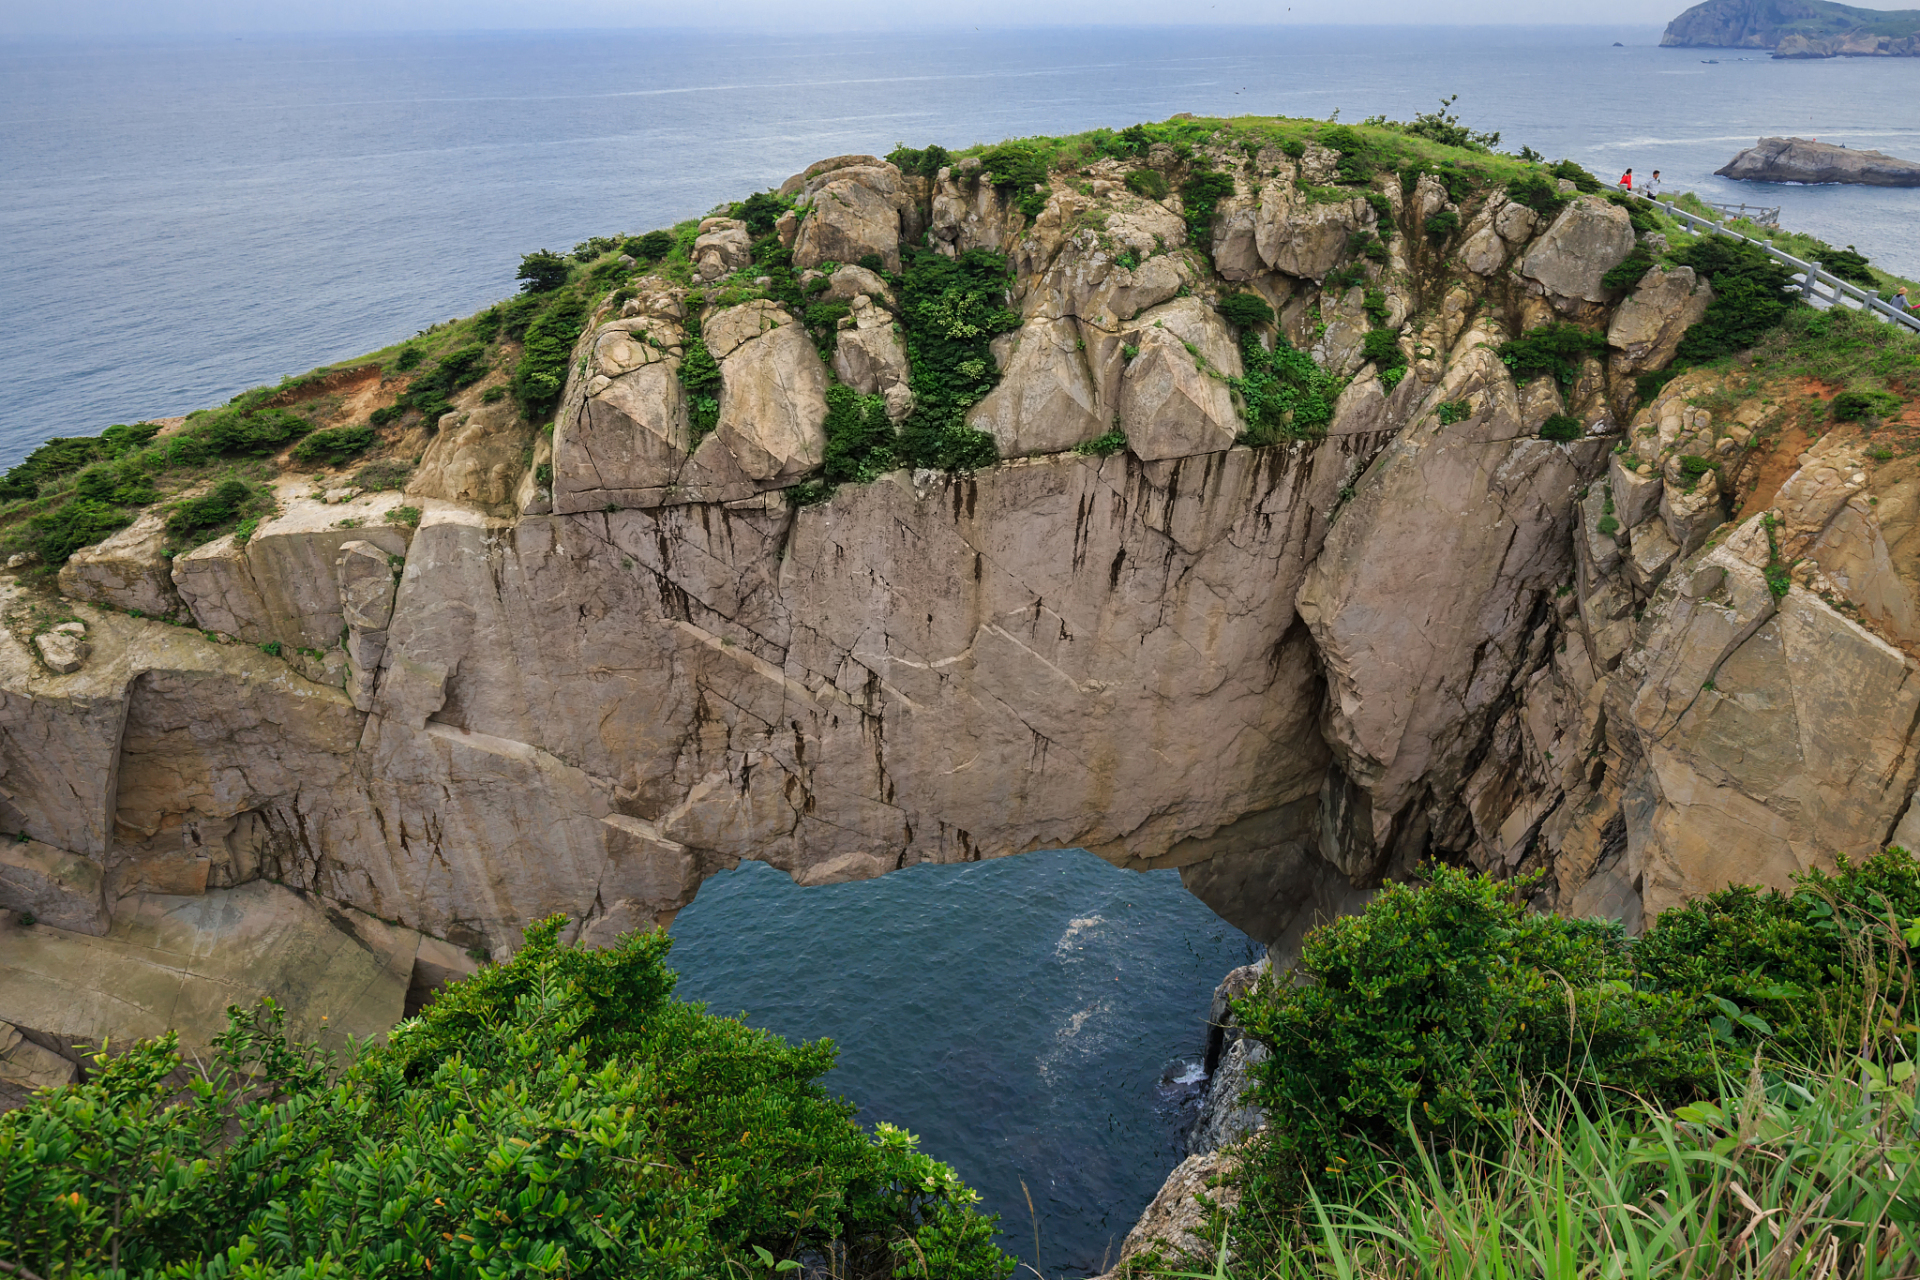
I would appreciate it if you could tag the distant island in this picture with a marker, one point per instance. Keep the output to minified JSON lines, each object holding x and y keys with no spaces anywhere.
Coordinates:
{"x":1803,"y":160}
{"x":1798,"y":29}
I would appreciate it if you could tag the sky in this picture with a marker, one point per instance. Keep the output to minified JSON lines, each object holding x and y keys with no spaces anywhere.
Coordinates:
{"x":202,"y":17}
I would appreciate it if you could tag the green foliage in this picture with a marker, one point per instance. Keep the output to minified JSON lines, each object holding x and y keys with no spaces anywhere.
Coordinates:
{"x":1452,"y":411}
{"x":760,"y":211}
{"x":1561,"y":427}
{"x":1853,"y":406}
{"x":1382,"y":206}
{"x":1020,"y":168}
{"x":76,"y":523}
{"x":859,"y":437}
{"x":1629,"y":271}
{"x":124,"y":484}
{"x":542,"y":271}
{"x":1150,"y":183}
{"x":271,"y":648}
{"x":950,"y":310}
{"x":409,"y":358}
{"x":1848,"y":264}
{"x":1246,"y":310}
{"x":1608,"y":525}
{"x":1359,"y":158}
{"x":1382,"y":347}
{"x":558,"y":1114}
{"x":1539,"y":193}
{"x":1441,"y":225}
{"x":196,"y":516}
{"x":333,"y":447}
{"x":1374,"y":303}
{"x":64,"y":455}
{"x":1284,"y":394}
{"x":1778,"y":573}
{"x":541,"y":375}
{"x":376,"y":476}
{"x":651,"y":247}
{"x":1444,"y":128}
{"x":1558,"y":348}
{"x":1293,"y":148}
{"x":1693,"y":466}
{"x":926,"y":162}
{"x":592,"y":247}
{"x":408,"y":516}
{"x":1340,"y":279}
{"x":1102,"y":445}
{"x":1750,"y":296}
{"x":700,"y":380}
{"x":1568,"y":171}
{"x":1203,"y":190}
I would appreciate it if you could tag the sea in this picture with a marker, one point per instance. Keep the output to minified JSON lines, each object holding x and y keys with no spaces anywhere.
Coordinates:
{"x":181,"y":219}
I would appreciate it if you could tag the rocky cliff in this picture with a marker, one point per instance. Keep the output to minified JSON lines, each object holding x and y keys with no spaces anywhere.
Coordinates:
{"x":579,"y":673}
{"x":1798,"y":29}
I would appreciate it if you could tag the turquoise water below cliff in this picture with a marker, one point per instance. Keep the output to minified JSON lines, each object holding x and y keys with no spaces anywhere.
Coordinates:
{"x":1038,"y":1018}
{"x":184,"y":219}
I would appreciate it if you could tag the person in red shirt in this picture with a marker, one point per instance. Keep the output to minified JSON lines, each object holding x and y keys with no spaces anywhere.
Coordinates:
{"x":1626,"y":180}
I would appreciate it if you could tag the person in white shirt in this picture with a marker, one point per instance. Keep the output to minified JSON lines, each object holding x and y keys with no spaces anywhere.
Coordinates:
{"x":1652,"y":185}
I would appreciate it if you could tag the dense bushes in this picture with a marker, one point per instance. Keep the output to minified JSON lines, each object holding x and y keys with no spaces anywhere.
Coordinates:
{"x":1284,"y":394}
{"x":541,"y":375}
{"x":1200,"y":195}
{"x":1561,"y":427}
{"x":333,"y":447}
{"x":542,"y":271}
{"x":1557,"y":348}
{"x":78,"y":523}
{"x":1539,"y":193}
{"x":216,"y":509}
{"x":1150,"y":183}
{"x":65,"y":455}
{"x":557,"y":1115}
{"x":1417,"y":1024}
{"x":950,"y":310}
{"x":700,"y":380}
{"x":1018,"y":168}
{"x":923,"y":162}
{"x":1750,"y":296}
{"x":1246,"y":310}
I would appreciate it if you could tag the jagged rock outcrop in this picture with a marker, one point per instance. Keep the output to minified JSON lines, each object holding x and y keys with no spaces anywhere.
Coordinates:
{"x":1797,"y":28}
{"x":1804,"y":160}
{"x":607,"y":663}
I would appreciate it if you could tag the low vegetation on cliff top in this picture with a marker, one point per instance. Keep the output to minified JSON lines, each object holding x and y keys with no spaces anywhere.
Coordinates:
{"x":1458,"y":1085}
{"x":558,"y":1115}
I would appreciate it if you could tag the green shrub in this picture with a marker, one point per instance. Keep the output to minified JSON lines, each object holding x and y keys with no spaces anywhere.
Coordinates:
{"x":1848,"y":264}
{"x":1374,"y":303}
{"x":1750,"y":297}
{"x":1203,"y":190}
{"x":1608,"y":525}
{"x":760,"y":211}
{"x":1102,"y":446}
{"x":926,"y":162}
{"x":1693,"y":466}
{"x":1853,"y":406}
{"x":376,"y":476}
{"x":1150,"y":183}
{"x":1583,"y":181}
{"x":950,"y":311}
{"x":542,"y":271}
{"x":1382,"y":347}
{"x":1452,"y":411}
{"x":76,"y":523}
{"x":541,"y":375}
{"x":700,"y":380}
{"x":125,"y":484}
{"x":333,"y":447}
{"x":1629,"y":271}
{"x":1445,"y":129}
{"x":1284,"y":394}
{"x":557,"y":1114}
{"x":651,"y":247}
{"x":196,"y":516}
{"x":859,"y":437}
{"x":1246,"y":310}
{"x":1382,"y":206}
{"x":1019,"y":168}
{"x":1441,"y":225}
{"x":1558,"y":348}
{"x":1359,"y":160}
{"x":1293,"y":148}
{"x":1538,"y":193}
{"x":1561,"y":427}
{"x":64,"y":455}
{"x":409,"y":358}
{"x":408,"y":517}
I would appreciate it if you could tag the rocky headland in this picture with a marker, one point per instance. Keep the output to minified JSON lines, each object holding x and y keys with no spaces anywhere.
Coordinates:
{"x":1798,"y":29}
{"x":1803,"y":160}
{"x":1263,"y":547}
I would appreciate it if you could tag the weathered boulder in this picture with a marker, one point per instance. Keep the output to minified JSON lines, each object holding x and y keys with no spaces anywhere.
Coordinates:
{"x":852,"y":210}
{"x":1647,"y":327}
{"x":127,"y":571}
{"x":1590,"y":238}
{"x":1304,"y":237}
{"x":26,"y":1067}
{"x":64,"y":649}
{"x":851,"y":281}
{"x":1046,"y":400}
{"x":475,"y":457}
{"x":1173,"y":400}
{"x":773,"y":393}
{"x":58,"y":888}
{"x":622,"y":434}
{"x":870,"y":357}
{"x":723,"y":246}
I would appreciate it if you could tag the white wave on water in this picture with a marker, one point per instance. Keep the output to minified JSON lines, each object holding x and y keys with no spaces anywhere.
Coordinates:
{"x":1075,"y":928}
{"x":1070,"y":1045}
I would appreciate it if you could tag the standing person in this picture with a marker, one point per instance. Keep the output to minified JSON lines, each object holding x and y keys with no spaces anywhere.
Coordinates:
{"x":1900,"y":299}
{"x":1652,"y":186}
{"x":1626,"y":180}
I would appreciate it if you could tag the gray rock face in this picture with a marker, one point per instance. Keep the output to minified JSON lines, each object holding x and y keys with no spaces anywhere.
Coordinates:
{"x":852,"y":210}
{"x":1802,"y":160}
{"x":1590,"y":238}
{"x":127,"y":571}
{"x":1647,"y":327}
{"x":58,"y":888}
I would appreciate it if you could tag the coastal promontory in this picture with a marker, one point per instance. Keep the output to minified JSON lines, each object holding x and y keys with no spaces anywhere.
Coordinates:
{"x":1804,"y":160}
{"x":1798,"y":29}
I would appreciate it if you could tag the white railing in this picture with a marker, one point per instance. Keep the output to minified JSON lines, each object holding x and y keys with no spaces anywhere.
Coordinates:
{"x":1752,"y":213}
{"x":1816,"y":285}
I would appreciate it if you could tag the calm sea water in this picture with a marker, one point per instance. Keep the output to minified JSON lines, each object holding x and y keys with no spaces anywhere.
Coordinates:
{"x":1038,"y":1019}
{"x":184,"y":219}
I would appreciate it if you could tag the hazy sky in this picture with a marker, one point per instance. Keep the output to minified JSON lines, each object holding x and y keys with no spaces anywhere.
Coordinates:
{"x":107,"y":17}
